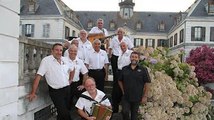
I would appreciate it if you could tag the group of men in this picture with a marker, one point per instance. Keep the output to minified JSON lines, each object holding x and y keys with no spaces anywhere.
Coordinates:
{"x":83,"y":70}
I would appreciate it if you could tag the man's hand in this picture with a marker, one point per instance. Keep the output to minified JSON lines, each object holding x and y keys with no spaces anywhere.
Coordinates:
{"x":91,"y":118}
{"x":108,"y":118}
{"x":106,"y":78}
{"x":81,"y":87}
{"x":144,"y":100}
{"x":31,"y":96}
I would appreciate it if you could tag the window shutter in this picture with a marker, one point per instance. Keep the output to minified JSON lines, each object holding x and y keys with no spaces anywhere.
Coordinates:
{"x":203,"y":31}
{"x":32,"y":30}
{"x":193,"y":34}
{"x":146,"y":43}
{"x":153,"y":43}
{"x":141,"y":41}
{"x":43,"y":33}
{"x":23,"y":30}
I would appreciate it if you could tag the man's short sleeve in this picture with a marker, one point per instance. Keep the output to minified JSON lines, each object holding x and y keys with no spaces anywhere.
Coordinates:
{"x":146,"y":75}
{"x":80,"y":104}
{"x":43,"y":67}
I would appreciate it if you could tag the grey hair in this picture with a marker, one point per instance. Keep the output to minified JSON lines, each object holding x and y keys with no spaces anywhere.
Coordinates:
{"x":96,"y":40}
{"x":73,"y":46}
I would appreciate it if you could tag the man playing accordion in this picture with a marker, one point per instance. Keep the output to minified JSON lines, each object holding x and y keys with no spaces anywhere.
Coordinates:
{"x":93,"y":98}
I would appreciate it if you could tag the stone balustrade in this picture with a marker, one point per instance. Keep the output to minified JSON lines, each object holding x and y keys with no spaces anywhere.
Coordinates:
{"x":31,"y":53}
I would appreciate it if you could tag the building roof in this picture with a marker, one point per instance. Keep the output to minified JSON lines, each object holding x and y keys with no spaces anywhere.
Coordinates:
{"x":150,"y":20}
{"x":45,"y":7}
{"x":200,"y":9}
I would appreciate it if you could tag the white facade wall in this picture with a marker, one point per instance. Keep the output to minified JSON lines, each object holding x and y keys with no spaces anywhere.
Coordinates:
{"x":56,"y":27}
{"x":71,"y":29}
{"x":150,"y":36}
{"x":9,"y":33}
{"x":200,"y":22}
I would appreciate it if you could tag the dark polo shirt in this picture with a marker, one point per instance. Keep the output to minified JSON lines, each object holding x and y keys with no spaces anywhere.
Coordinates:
{"x":133,"y":82}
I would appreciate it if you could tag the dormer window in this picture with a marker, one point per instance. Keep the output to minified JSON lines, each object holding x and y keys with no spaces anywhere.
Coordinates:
{"x":32,"y":6}
{"x":112,"y":25}
{"x":161,"y":26}
{"x":90,"y":24}
{"x":139,"y":25}
{"x":210,"y":7}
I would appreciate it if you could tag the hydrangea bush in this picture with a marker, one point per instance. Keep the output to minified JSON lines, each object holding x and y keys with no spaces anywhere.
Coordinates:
{"x":203,"y":60}
{"x":174,"y":92}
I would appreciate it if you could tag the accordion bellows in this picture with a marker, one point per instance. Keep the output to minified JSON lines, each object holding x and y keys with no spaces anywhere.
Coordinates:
{"x":100,"y":112}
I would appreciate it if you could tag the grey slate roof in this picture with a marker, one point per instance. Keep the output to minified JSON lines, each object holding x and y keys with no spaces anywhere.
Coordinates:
{"x":150,"y":20}
{"x":200,"y":10}
{"x":46,"y":7}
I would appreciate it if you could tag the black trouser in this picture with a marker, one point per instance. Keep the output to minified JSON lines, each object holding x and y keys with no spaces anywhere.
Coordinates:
{"x":99,"y":77}
{"x":128,"y":107}
{"x":114,"y":66}
{"x":60,"y":98}
{"x":116,"y":94}
{"x":75,"y":92}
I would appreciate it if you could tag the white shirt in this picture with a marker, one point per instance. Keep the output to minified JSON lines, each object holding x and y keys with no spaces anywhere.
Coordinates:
{"x":56,"y":74}
{"x":96,"y":60}
{"x":124,"y":59}
{"x":83,"y":103}
{"x":79,"y":54}
{"x":97,"y":30}
{"x":115,"y":45}
{"x":79,"y":66}
{"x":84,"y":48}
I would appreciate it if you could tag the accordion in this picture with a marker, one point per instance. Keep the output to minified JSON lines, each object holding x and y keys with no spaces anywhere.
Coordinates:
{"x":100,"y":111}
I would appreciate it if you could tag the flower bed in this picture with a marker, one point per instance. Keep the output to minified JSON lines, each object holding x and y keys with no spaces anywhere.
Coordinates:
{"x":174,"y":90}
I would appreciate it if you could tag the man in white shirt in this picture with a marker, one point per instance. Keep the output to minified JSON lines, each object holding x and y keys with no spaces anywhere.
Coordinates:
{"x":114,"y":49}
{"x":79,"y":67}
{"x":84,"y":105}
{"x":97,"y":63}
{"x":99,"y":29}
{"x":84,"y":44}
{"x":123,"y":60}
{"x":75,"y":42}
{"x":57,"y":71}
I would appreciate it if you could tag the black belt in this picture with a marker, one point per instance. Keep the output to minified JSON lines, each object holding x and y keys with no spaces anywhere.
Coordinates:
{"x":95,"y":69}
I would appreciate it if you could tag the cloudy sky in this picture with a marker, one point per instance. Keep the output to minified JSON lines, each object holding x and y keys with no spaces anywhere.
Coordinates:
{"x":140,"y":5}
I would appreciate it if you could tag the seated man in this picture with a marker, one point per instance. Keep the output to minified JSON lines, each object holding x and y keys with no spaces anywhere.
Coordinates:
{"x":84,"y":104}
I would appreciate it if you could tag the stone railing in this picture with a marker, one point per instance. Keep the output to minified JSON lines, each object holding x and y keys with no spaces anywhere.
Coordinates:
{"x":31,"y":53}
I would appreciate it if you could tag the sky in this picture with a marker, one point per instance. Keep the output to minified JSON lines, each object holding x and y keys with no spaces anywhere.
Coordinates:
{"x":140,"y":5}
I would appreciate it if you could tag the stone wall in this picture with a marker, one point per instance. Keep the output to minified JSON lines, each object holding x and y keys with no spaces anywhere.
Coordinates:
{"x":31,"y":53}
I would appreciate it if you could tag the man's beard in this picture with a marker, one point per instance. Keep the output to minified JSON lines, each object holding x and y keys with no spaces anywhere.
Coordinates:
{"x":134,"y":62}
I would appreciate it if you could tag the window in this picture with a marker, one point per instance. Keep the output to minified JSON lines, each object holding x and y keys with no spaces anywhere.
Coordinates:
{"x":73,"y":33}
{"x":67,"y":32}
{"x":163,"y":43}
{"x":46,"y":30}
{"x":28,"y":30}
{"x":175,"y":39}
{"x":139,"y":25}
{"x":112,"y":25}
{"x":90,"y":24}
{"x":150,"y":42}
{"x":138,"y":42}
{"x":198,"y":33}
{"x":171,"y":41}
{"x":211,"y":6}
{"x":181,"y":36}
{"x":211,"y":33}
{"x":161,"y":26}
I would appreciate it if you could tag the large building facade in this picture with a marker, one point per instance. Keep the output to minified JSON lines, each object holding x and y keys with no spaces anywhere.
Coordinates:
{"x":176,"y":30}
{"x":48,"y":20}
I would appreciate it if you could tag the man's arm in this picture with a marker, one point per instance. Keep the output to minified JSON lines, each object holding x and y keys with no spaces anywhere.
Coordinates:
{"x":32,"y":94}
{"x":121,"y":86}
{"x":145,"y":93}
{"x":84,"y":115}
{"x":106,"y":72}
